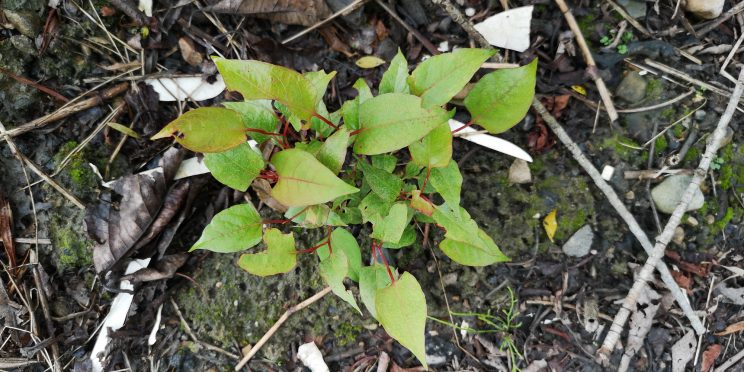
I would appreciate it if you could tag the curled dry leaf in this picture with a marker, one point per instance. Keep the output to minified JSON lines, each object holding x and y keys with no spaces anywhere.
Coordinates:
{"x":291,"y":12}
{"x":6,"y":230}
{"x":125,"y":213}
{"x":164,"y":269}
{"x":189,"y":52}
{"x":710,"y":355}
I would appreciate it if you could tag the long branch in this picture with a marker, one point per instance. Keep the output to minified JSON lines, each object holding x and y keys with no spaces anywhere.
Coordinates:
{"x":615,"y":201}
{"x":666,"y":235}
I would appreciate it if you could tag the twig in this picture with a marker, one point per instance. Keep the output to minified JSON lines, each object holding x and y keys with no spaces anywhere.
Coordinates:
{"x":679,"y":74}
{"x":461,"y":20}
{"x":191,"y":334}
{"x":424,"y":41}
{"x":279,"y":323}
{"x":651,"y":174}
{"x":353,"y":5}
{"x":45,"y":309}
{"x":615,"y":201}
{"x":633,"y":22}
{"x":51,"y":92}
{"x":69,"y":110}
{"x":662,"y":240}
{"x":591,"y":66}
{"x":722,"y":18}
{"x":731,"y":362}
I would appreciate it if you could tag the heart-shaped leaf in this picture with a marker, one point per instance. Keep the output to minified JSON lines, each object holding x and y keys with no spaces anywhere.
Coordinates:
{"x":314,"y":216}
{"x":499,"y":100}
{"x":401,"y":309}
{"x":372,"y":278}
{"x":439,"y":78}
{"x":393,"y":121}
{"x":303,"y":180}
{"x":385,"y":184}
{"x":206,"y":129}
{"x":235,"y":229}
{"x":280,"y":255}
{"x":390,"y":228}
{"x":236,"y":167}
{"x":260,"y":80}
{"x":258,"y":114}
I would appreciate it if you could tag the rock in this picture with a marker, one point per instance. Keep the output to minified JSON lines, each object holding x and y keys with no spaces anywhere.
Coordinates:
{"x":579,"y":244}
{"x":640,"y":126}
{"x":635,"y":8}
{"x":667,"y":194}
{"x":692,"y":221}
{"x":706,"y":9}
{"x":519,"y":172}
{"x":632,"y":88}
{"x":679,"y":235}
{"x":728,"y":137}
{"x":439,"y":350}
{"x":700,"y":115}
{"x":27,"y":23}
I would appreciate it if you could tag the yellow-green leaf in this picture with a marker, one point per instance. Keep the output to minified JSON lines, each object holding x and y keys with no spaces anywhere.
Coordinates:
{"x":303,"y":180}
{"x":395,"y":79}
{"x":334,"y":269}
{"x":435,"y":149}
{"x":123,"y":129}
{"x":464,"y":242}
{"x":343,"y":240}
{"x":260,"y":80}
{"x":369,"y":62}
{"x":439,"y":78}
{"x":206,"y":129}
{"x":392,"y":121}
{"x":333,"y":151}
{"x":390,"y":228}
{"x":258,"y":114}
{"x":235,"y":229}
{"x":280,"y":255}
{"x":401,"y":309}
{"x":237,"y":167}
{"x":550,"y":223}
{"x":499,"y":100}
{"x":372,"y":278}
{"x":448,"y":183}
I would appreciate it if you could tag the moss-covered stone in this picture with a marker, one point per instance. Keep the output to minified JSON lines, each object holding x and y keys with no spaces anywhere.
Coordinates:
{"x":71,"y":249}
{"x":77,"y":175}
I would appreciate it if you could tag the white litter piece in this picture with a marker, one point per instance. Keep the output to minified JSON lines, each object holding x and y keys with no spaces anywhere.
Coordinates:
{"x":509,"y":29}
{"x":146,"y":7}
{"x":195,"y":166}
{"x":312,"y":358}
{"x":683,"y":351}
{"x":194,"y":88}
{"x":607,"y":172}
{"x":116,"y":316}
{"x":486,"y":140}
{"x":154,"y":333}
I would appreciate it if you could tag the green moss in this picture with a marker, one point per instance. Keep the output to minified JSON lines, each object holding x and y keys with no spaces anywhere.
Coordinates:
{"x":625,"y":148}
{"x":347,"y":334}
{"x":668,"y":113}
{"x":654,"y":89}
{"x":661,"y":144}
{"x":692,"y":154}
{"x":586,"y":23}
{"x":77,"y":175}
{"x":726,"y":176}
{"x":678,"y":130}
{"x":72,"y":249}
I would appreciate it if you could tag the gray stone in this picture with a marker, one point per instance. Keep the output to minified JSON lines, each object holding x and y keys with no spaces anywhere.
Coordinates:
{"x":667,"y":194}
{"x":632,"y":88}
{"x":519,"y":172}
{"x":635,"y":8}
{"x":706,"y":9}
{"x":579,"y":244}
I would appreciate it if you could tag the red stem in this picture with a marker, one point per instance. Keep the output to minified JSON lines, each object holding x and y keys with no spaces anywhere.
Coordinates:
{"x":355,"y":132}
{"x":330,"y":248}
{"x":463,"y":127}
{"x":384,"y":260}
{"x":428,"y":173}
{"x":325,"y":121}
{"x":261,"y":131}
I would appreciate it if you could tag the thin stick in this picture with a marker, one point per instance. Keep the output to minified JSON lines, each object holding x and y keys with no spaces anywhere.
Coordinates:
{"x":662,"y":240}
{"x":279,"y":323}
{"x":723,"y":18}
{"x":464,"y":22}
{"x":591,"y":66}
{"x":45,"y":309}
{"x":333,"y":16}
{"x":633,"y":22}
{"x":615,"y":201}
{"x":69,"y":110}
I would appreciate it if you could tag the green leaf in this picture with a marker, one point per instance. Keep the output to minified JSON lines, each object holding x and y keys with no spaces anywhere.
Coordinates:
{"x":333,"y":269}
{"x":236,"y":167}
{"x":464,"y":242}
{"x":350,"y":108}
{"x":374,"y":208}
{"x":390,"y":228}
{"x":260,"y":80}
{"x":319,"y":80}
{"x":123,"y":129}
{"x":342,"y":240}
{"x":235,"y":229}
{"x":439,"y":78}
{"x":385,"y":162}
{"x":448,"y":183}
{"x":313,"y":147}
{"x":303,"y":180}
{"x":401,"y":309}
{"x":394,"y":80}
{"x":280,"y":255}
{"x":314,"y":216}
{"x":502,"y":98}
{"x":369,"y":62}
{"x":384,"y":184}
{"x":407,"y":239}
{"x":333,"y":151}
{"x":206,"y":129}
{"x":258,"y":114}
{"x":420,"y":204}
{"x":392,"y":121}
{"x":363,"y":88}
{"x":434,"y":150}
{"x":372,"y":278}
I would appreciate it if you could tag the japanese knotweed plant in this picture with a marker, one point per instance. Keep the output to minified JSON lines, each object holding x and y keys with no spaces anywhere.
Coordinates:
{"x":378,"y":160}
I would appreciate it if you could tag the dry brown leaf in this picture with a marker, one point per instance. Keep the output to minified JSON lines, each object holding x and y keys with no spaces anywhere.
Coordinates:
{"x":732,"y":328}
{"x":6,"y":230}
{"x":164,"y":269}
{"x":291,"y":12}
{"x":710,"y":355}
{"x":189,"y":52}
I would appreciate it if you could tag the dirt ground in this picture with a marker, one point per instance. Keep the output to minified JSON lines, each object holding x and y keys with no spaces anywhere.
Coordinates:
{"x":550,"y":308}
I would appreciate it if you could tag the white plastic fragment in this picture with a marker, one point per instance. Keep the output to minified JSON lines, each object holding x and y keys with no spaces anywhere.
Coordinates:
{"x":486,"y":140}
{"x":146,"y":7}
{"x":154,"y":332}
{"x":683,"y":351}
{"x":116,"y":316}
{"x":607,"y":172}
{"x":312,"y":358}
{"x":443,"y":46}
{"x":194,"y":88}
{"x":509,"y":29}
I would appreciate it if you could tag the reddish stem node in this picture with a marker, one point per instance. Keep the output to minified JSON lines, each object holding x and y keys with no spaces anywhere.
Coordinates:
{"x":463,"y":127}
{"x":384,"y":260}
{"x":428,"y":173}
{"x":355,"y":132}
{"x":325,"y":121}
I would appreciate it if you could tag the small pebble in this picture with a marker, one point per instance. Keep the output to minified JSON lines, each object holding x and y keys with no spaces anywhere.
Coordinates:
{"x":709,"y":219}
{"x":630,"y":195}
{"x":607,"y":172}
{"x":679,"y":235}
{"x":700,"y":115}
{"x":706,"y":9}
{"x":519,"y":172}
{"x":692,"y":221}
{"x":469,"y":12}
